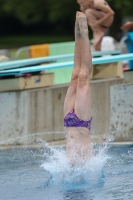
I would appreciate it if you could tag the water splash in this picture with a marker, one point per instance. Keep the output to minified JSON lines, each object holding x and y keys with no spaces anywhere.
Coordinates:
{"x":82,"y":172}
{"x":59,"y":167}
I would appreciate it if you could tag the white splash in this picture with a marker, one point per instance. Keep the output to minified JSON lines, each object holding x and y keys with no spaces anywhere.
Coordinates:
{"x":62,"y":171}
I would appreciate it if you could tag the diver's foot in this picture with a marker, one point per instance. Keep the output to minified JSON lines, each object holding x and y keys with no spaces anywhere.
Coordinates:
{"x":77,"y":30}
{"x":83,"y":26}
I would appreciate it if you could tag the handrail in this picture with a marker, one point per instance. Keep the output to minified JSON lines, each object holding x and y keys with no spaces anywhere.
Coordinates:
{"x":20,"y":50}
{"x":101,"y":60}
{"x":37,"y":61}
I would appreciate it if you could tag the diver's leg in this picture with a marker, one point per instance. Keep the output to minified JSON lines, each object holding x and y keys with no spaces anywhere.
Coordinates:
{"x":78,"y":146}
{"x":71,"y":93}
{"x":83,"y":98}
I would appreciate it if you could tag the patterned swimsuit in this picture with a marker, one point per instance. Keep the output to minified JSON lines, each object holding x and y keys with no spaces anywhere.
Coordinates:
{"x":71,"y":120}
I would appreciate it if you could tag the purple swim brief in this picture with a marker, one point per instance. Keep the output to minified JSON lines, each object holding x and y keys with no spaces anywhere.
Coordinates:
{"x":71,"y":120}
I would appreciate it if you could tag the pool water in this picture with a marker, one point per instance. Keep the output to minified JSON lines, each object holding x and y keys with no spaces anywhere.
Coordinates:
{"x":45,"y":174}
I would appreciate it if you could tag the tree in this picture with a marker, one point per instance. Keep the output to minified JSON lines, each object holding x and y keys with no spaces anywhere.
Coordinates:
{"x":121,"y":9}
{"x":33,"y":11}
{"x":60,"y":14}
{"x":30,"y":11}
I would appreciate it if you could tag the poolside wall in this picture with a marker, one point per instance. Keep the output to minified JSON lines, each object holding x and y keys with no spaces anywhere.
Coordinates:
{"x":39,"y":112}
{"x":121,"y":116}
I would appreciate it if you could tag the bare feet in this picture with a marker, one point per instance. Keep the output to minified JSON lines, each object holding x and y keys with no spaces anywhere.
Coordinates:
{"x":82,"y":22}
{"x":77,"y":31}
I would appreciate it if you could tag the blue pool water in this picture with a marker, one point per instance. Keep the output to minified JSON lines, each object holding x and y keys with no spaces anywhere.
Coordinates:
{"x":45,"y":174}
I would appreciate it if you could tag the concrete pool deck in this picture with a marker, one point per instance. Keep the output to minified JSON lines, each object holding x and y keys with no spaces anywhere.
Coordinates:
{"x":63,"y":143}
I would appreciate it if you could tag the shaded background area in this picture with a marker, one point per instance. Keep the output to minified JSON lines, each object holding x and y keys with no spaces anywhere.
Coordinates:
{"x":46,"y":21}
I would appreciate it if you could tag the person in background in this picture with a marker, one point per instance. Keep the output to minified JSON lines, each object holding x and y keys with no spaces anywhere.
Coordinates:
{"x":99,"y":16}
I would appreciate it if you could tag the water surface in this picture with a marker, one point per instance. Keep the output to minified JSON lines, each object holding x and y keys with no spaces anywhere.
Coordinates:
{"x":45,"y":174}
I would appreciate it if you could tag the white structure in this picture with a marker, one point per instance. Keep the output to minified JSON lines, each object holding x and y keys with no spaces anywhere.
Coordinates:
{"x":107,"y":44}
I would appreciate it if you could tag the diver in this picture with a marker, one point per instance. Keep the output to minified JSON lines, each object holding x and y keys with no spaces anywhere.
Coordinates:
{"x":77,"y":104}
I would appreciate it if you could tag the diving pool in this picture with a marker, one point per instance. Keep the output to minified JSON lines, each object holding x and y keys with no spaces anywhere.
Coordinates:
{"x":44,"y":174}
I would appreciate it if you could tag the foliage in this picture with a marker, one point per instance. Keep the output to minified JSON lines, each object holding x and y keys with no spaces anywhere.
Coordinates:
{"x":125,"y":6}
{"x":30,"y":11}
{"x":59,"y":15}
{"x":33,"y":11}
{"x":18,"y":41}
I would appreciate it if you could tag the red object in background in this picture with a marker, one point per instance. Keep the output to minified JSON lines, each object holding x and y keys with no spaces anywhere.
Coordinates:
{"x":28,"y":75}
{"x":125,"y":67}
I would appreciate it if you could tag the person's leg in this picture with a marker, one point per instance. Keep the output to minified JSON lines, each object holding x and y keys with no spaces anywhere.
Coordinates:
{"x":98,"y":30}
{"x":98,"y":36}
{"x":94,"y":14}
{"x":82,"y":105}
{"x":71,"y":93}
{"x":78,"y":145}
